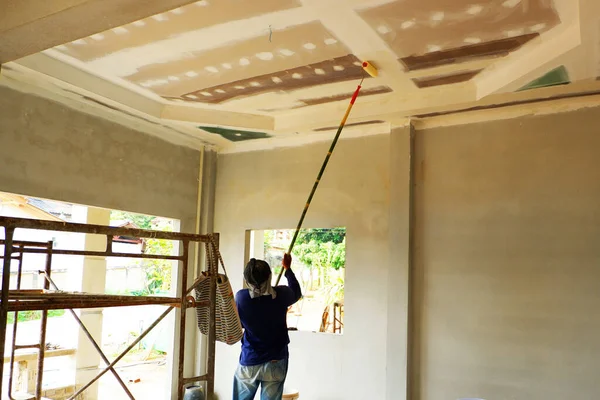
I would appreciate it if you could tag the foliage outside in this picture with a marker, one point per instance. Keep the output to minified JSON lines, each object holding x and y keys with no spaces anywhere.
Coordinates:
{"x":157,"y":272}
{"x":323,"y":253}
{"x":25,"y":316}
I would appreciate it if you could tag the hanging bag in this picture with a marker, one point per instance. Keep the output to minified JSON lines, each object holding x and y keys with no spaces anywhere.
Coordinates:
{"x":228,"y":325}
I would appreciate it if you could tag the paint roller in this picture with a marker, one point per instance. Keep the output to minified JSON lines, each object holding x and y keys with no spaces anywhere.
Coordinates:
{"x":369,"y":69}
{"x":372,"y":71}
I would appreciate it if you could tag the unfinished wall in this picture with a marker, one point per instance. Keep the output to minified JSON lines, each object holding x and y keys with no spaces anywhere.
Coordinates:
{"x":506,"y":259}
{"x":264,"y":190}
{"x":52,"y":151}
{"x":504,"y":273}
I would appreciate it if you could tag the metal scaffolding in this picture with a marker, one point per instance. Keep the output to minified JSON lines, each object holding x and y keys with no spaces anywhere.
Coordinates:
{"x":15,"y":300}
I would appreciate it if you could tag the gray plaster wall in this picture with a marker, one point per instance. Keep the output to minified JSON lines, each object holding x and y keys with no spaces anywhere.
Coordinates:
{"x":507,"y":260}
{"x":266,"y":190}
{"x":472,"y":265}
{"x":53,"y":151}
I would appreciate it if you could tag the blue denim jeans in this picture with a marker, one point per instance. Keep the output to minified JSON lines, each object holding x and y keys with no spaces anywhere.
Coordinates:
{"x":269,"y":376}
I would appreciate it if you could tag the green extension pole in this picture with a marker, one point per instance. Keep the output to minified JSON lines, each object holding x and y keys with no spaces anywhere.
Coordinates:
{"x":314,"y":188}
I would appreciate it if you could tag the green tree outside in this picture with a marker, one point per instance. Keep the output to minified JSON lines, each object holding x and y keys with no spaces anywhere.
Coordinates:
{"x":323,"y":250}
{"x":157,"y":272}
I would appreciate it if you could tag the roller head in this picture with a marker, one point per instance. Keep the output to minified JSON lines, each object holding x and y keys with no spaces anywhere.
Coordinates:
{"x":369,"y":68}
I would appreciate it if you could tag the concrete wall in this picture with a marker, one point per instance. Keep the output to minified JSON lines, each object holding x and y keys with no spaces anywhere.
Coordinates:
{"x":506,"y":266}
{"x":52,"y":151}
{"x":266,"y":190}
{"x":484,"y":243}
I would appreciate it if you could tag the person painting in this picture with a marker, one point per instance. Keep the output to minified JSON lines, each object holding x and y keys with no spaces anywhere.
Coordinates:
{"x":263,"y":313}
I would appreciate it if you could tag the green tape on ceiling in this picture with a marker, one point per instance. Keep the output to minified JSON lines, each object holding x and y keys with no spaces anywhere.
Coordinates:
{"x":558,"y":76}
{"x":235,"y":135}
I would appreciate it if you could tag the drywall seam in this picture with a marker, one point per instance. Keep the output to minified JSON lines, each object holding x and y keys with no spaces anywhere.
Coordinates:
{"x":517,"y":68}
{"x":453,"y":118}
{"x":218,"y":118}
{"x":540,"y":107}
{"x":305,"y":139}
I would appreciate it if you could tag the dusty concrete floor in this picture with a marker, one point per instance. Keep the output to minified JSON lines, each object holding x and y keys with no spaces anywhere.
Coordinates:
{"x":60,"y":371}
{"x":153,"y":380}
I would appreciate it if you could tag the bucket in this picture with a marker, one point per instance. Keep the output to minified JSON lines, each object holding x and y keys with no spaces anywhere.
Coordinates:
{"x":291,"y":394}
{"x":193,"y":393}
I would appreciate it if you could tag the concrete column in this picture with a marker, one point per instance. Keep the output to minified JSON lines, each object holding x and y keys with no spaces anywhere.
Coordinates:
{"x":23,"y":380}
{"x":93,"y":280}
{"x":400,"y":234}
{"x":258,"y":245}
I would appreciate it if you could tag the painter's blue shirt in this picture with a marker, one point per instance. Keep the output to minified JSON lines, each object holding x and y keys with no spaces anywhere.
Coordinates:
{"x":264,"y":320}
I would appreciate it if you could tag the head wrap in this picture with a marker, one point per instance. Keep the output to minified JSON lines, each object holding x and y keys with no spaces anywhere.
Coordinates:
{"x":258,"y":277}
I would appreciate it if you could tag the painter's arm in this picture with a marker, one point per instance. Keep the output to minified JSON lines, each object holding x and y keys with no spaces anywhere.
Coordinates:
{"x":294,"y":292}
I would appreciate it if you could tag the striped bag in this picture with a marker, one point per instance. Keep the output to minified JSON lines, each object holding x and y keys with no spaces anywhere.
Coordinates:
{"x":228,"y":325}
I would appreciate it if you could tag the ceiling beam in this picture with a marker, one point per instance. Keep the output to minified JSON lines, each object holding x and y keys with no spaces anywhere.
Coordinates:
{"x":385,"y":107}
{"x":536,"y":57}
{"x":218,"y":117}
{"x":527,"y":64}
{"x":307,"y":138}
{"x":138,"y":99}
{"x":363,"y":41}
{"x":31,"y":26}
{"x":24,"y":80}
{"x":395,"y":109}
{"x":78,"y":75}
{"x":583,"y":62}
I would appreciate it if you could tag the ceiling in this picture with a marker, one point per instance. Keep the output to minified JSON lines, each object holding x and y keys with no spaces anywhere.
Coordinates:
{"x":235,"y":71}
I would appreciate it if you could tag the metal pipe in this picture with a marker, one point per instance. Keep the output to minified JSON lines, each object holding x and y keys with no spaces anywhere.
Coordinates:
{"x":212,"y":331}
{"x":27,"y":346}
{"x":131,"y":346}
{"x":8,"y":246}
{"x":19,"y":265}
{"x":12,"y":358}
{"x":196,"y":268}
{"x":83,"y":302}
{"x":109,"y":243}
{"x":44,"y":322}
{"x":14,"y":346}
{"x":23,"y":295}
{"x":97,"y":229}
{"x":25,"y":243}
{"x":199,"y":211}
{"x":182,"y":317}
{"x":104,"y":254}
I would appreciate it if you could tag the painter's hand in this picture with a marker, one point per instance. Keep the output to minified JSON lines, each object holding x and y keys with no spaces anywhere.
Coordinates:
{"x":287,"y":261}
